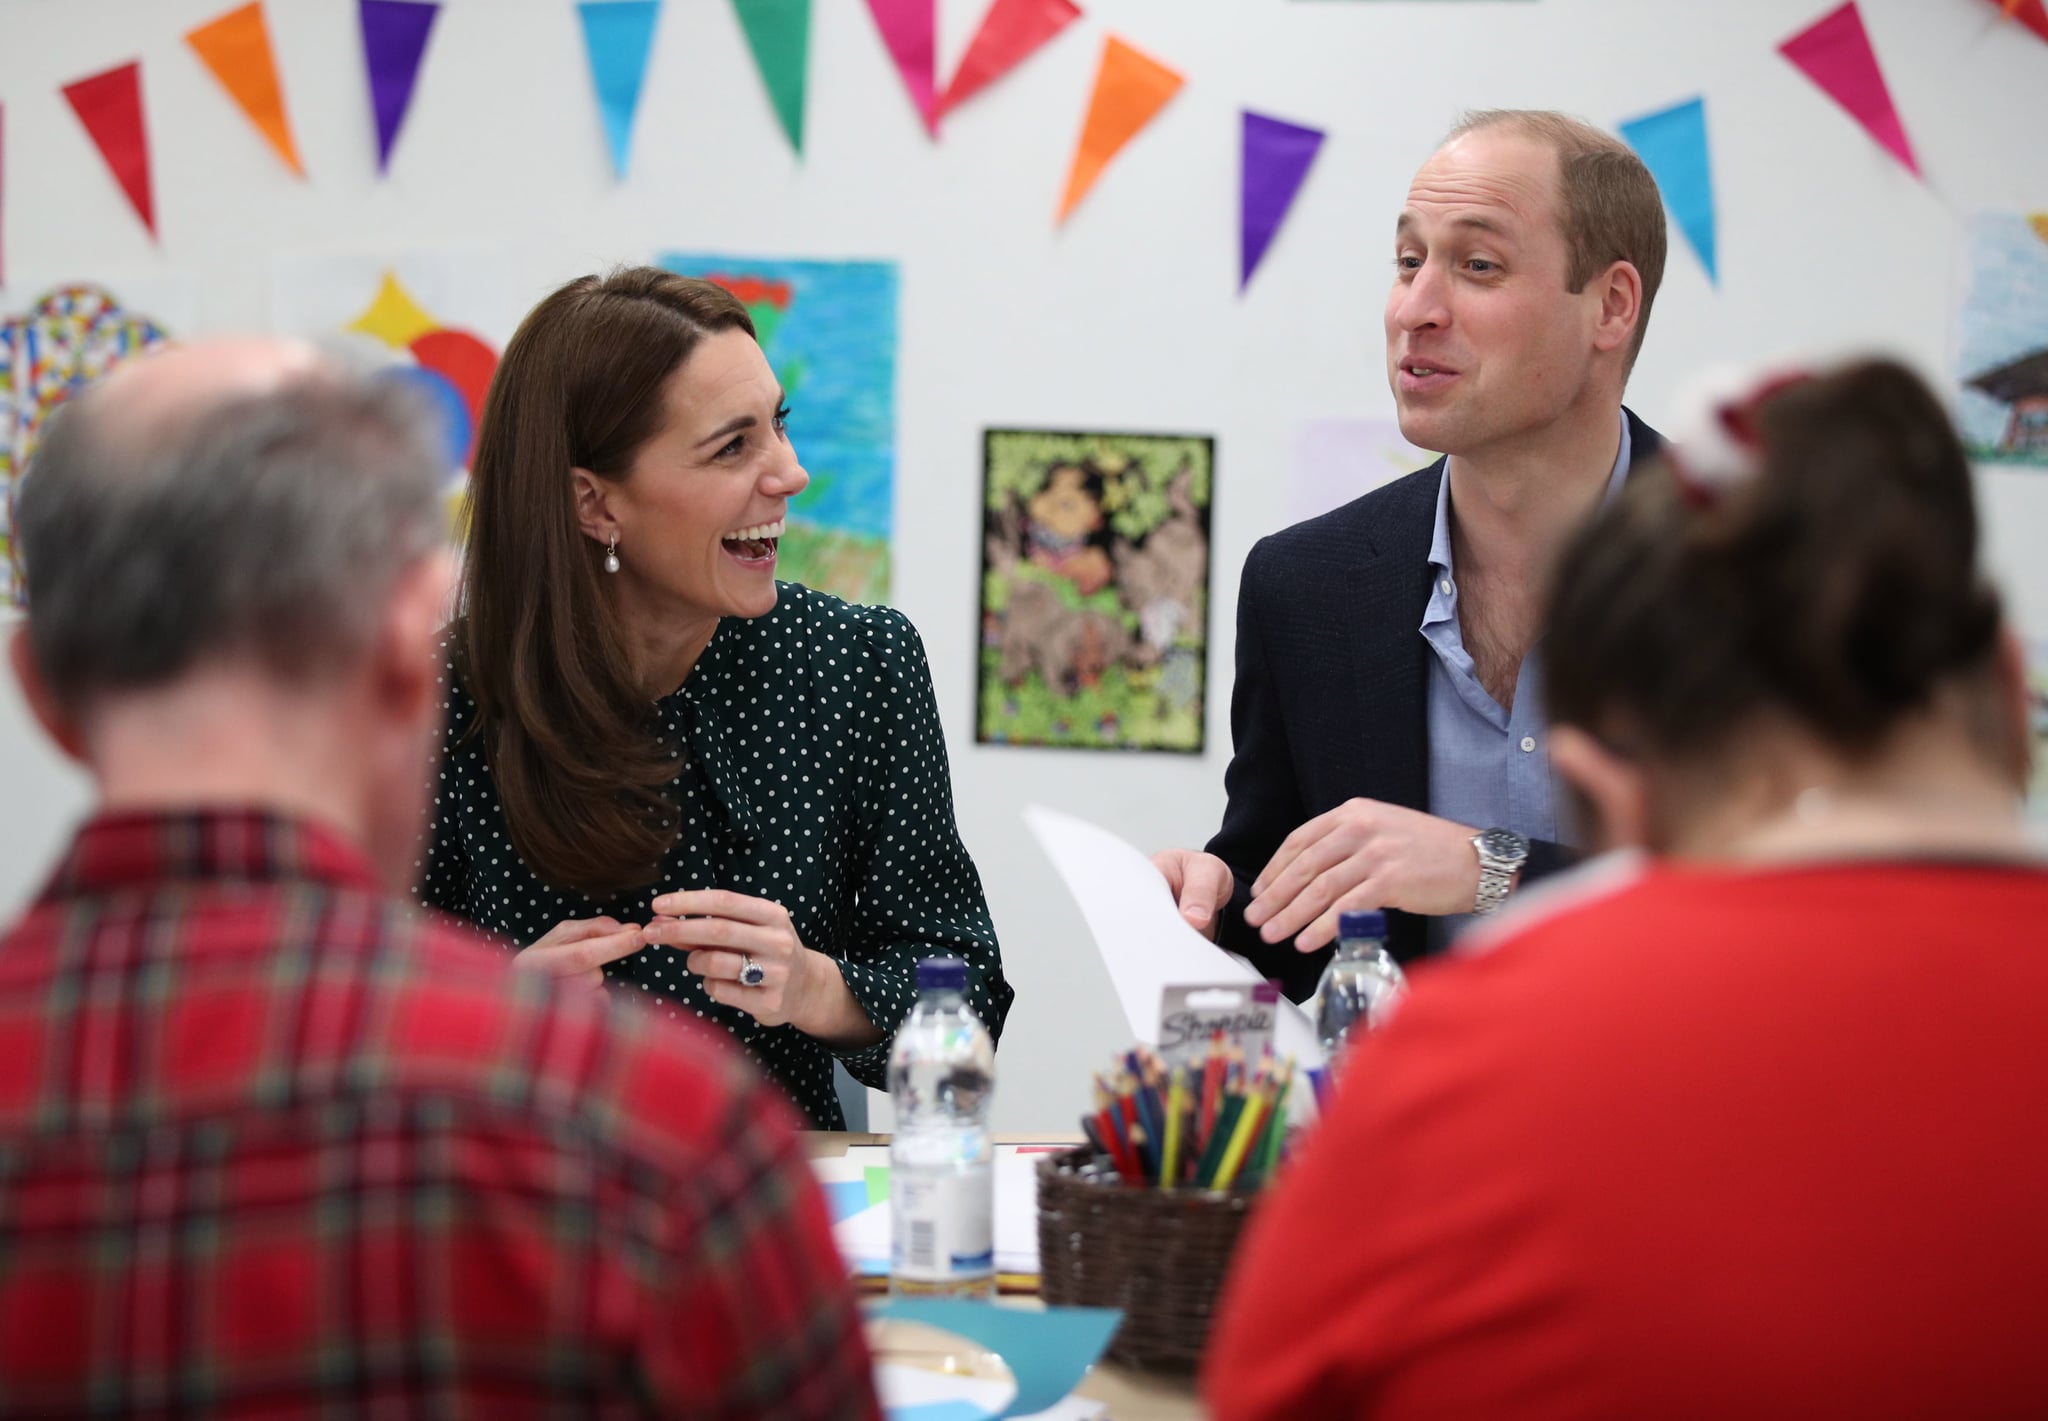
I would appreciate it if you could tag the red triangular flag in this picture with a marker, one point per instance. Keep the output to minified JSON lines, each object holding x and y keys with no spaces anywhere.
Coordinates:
{"x":2031,"y":13}
{"x":110,"y":107}
{"x":1010,"y":32}
{"x":1834,"y":51}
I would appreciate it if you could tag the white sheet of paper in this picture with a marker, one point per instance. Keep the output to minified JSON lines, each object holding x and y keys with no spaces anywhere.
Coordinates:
{"x":1143,"y":939}
{"x":864,"y":1238}
{"x":905,"y":1389}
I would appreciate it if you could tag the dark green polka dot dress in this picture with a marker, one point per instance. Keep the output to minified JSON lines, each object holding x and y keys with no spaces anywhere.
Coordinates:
{"x":811,"y":770}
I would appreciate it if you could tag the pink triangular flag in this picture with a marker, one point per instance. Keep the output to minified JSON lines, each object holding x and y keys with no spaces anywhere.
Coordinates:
{"x":1834,"y":51}
{"x":909,"y":28}
{"x":1010,"y":33}
{"x":110,"y":107}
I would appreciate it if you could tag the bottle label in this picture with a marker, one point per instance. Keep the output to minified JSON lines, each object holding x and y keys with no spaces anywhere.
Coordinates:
{"x":943,"y":1226}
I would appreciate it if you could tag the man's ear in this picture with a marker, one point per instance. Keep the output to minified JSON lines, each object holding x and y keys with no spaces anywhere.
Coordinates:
{"x":42,"y":703}
{"x":593,"y":509}
{"x":1615,"y":788}
{"x":406,"y":658}
{"x":1621,"y":306}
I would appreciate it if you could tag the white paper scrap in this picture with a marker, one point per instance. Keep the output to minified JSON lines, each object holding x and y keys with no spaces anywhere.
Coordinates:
{"x":1143,"y":939}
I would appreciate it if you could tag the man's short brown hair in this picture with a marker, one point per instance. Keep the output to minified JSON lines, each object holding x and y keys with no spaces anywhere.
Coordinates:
{"x":1612,"y":209}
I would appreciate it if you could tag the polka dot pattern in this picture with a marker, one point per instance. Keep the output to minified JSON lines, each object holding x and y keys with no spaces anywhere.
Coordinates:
{"x":810,"y":770}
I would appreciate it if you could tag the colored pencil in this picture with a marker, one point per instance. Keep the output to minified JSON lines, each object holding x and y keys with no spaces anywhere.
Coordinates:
{"x":1176,"y":1108}
{"x":1212,"y":1152}
{"x":1241,"y":1134}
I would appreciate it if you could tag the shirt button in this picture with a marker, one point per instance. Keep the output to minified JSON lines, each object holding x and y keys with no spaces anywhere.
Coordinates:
{"x":1445,"y":587}
{"x":1528,"y":743}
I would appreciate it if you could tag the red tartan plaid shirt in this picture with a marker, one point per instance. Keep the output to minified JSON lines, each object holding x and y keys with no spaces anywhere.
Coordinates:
{"x":274,"y":1145}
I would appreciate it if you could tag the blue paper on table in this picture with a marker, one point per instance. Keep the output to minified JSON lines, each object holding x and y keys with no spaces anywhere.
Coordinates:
{"x":940,"y":1411}
{"x":844,"y":1200}
{"x":1047,"y":1352}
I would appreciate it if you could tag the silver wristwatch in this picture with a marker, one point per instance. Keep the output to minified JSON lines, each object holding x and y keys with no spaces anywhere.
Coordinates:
{"x":1502,"y":852}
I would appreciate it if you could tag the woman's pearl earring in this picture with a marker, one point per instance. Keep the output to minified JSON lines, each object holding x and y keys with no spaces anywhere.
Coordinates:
{"x":611,"y":555}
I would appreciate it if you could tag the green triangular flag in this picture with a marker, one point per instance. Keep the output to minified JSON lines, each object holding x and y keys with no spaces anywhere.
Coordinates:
{"x":779,"y":32}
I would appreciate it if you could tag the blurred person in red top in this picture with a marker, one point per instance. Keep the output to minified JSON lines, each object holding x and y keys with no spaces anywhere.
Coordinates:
{"x":1745,"y":1120}
{"x":272,"y":1143}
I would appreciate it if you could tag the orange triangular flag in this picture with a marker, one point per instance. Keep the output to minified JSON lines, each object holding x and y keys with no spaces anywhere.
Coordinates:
{"x":1129,"y":89}
{"x":236,"y":47}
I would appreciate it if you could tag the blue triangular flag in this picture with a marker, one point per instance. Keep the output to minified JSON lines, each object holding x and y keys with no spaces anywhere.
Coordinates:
{"x":618,"y":34}
{"x":1673,"y":145}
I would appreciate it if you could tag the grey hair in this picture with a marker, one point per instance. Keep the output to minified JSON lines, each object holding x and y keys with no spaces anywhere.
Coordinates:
{"x":269,"y":528}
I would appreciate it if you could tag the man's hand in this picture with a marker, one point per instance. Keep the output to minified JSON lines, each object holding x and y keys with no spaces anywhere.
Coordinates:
{"x":1363,"y":854}
{"x":1201,"y":884}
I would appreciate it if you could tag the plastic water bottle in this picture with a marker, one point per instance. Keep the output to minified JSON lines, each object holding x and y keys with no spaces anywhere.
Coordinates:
{"x":942,"y":1073}
{"x":1361,"y":984}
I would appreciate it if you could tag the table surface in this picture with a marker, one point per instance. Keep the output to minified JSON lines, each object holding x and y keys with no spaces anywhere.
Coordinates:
{"x":1130,"y":1395}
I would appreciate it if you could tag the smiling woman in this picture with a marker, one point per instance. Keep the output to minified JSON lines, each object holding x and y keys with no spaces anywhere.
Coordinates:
{"x":663,"y":769}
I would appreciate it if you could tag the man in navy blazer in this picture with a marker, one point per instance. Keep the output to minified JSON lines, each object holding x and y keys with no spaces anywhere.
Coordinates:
{"x":1390,"y":745}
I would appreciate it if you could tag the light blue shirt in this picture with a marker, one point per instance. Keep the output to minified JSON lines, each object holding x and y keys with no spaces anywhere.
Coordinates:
{"x":1488,"y":767}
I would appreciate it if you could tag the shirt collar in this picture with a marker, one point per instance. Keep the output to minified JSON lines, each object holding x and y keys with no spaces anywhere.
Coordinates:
{"x":1440,"y":540}
{"x":141,"y":849}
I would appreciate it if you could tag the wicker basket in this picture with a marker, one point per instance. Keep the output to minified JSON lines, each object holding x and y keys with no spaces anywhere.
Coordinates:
{"x":1159,"y":1256}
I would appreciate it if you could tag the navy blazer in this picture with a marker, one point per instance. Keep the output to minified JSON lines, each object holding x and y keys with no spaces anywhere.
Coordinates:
{"x":1332,"y":695}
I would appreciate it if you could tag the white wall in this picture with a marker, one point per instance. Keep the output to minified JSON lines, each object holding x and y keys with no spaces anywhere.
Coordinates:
{"x":1127,"y":319}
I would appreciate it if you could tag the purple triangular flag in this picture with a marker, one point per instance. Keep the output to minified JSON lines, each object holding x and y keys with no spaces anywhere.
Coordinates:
{"x":1277,"y":155}
{"x":394,"y":41}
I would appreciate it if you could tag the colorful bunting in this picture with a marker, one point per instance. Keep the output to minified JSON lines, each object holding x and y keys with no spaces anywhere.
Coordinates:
{"x":1276,"y":159}
{"x":236,"y":48}
{"x":1673,"y":145}
{"x":909,"y":29}
{"x":779,"y":33}
{"x":1834,"y":51}
{"x":110,"y":107}
{"x":2031,"y":13}
{"x":1130,"y":89}
{"x":394,"y":42}
{"x":618,"y":35}
{"x":1010,"y":33}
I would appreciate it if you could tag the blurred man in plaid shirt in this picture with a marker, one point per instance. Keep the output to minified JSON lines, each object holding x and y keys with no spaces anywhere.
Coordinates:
{"x":270,"y":1144}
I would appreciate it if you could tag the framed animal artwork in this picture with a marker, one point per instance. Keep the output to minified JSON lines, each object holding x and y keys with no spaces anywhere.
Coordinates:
{"x":1094,"y":590}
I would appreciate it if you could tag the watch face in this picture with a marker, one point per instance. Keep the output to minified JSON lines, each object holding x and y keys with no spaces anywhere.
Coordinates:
{"x":1504,"y":844}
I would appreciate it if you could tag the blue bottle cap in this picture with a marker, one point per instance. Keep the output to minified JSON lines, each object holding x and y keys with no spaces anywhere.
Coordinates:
{"x":942,"y":974}
{"x":1362,"y":922}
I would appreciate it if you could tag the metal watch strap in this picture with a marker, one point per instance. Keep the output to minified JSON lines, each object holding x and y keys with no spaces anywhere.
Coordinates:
{"x":1497,"y":870}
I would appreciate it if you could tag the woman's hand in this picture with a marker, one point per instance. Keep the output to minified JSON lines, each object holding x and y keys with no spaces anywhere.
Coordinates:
{"x":575,"y":952}
{"x":720,"y":931}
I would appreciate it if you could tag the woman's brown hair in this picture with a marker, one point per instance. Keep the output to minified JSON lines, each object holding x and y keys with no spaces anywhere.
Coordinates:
{"x":571,"y":738}
{"x":1837,"y":588}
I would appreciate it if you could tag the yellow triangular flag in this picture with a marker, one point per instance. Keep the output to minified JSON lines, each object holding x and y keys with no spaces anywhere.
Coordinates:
{"x":236,"y":47}
{"x":1129,"y":89}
